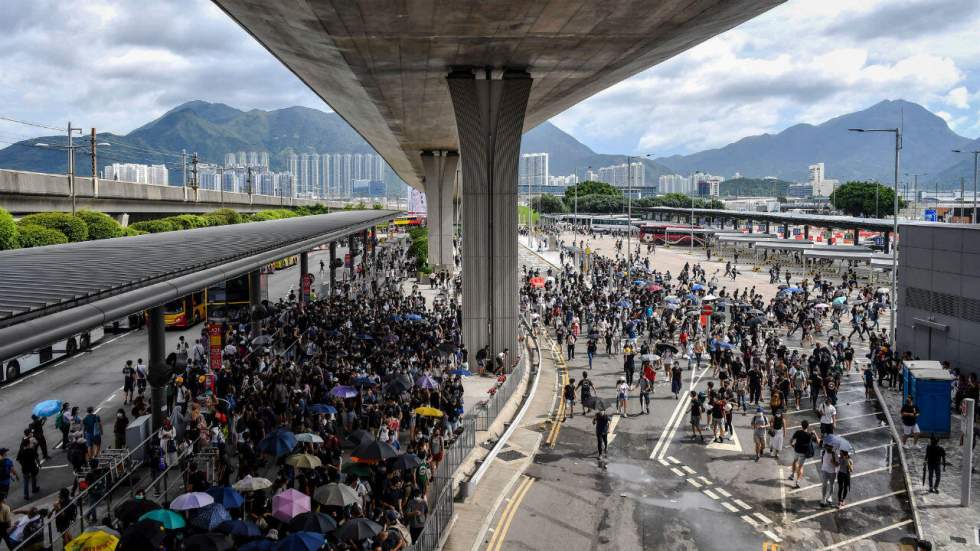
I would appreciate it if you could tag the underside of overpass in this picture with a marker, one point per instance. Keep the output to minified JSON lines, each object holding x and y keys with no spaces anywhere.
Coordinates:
{"x":426,"y":80}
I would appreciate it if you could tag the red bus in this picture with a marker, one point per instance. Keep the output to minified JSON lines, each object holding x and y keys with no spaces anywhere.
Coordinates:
{"x":662,"y":233}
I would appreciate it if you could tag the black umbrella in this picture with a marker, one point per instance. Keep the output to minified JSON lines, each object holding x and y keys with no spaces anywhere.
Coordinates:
{"x":312,"y":522}
{"x":360,"y":436}
{"x":145,"y":534}
{"x":662,"y":346}
{"x":131,"y":510}
{"x":374,"y":451}
{"x":396,"y":387}
{"x":405,"y":462}
{"x":447,"y":347}
{"x":755,"y":321}
{"x":357,"y":529}
{"x":211,"y":541}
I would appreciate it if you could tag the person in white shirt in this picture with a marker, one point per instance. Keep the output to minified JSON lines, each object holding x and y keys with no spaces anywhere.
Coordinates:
{"x":622,"y":395}
{"x":828,"y":474}
{"x":828,"y":417}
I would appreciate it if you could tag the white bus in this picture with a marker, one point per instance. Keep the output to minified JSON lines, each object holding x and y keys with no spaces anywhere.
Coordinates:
{"x":21,"y":365}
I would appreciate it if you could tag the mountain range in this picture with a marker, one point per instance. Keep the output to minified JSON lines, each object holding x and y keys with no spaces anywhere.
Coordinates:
{"x":213,"y":129}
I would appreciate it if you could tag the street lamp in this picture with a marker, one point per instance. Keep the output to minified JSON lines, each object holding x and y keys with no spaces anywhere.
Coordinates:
{"x":976,"y":167}
{"x":894,"y":244}
{"x":71,"y":162}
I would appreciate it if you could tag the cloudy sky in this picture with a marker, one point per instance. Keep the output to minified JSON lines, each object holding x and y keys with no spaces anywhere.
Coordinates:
{"x":115,"y":64}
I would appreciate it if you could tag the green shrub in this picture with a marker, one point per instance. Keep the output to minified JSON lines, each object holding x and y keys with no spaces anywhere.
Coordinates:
{"x":212,"y":219}
{"x":34,"y":235}
{"x":303,"y":211}
{"x":418,"y":232}
{"x":100,"y":225}
{"x":272,"y":214}
{"x":230,"y":216}
{"x":155,"y":226}
{"x":187,"y":221}
{"x":420,"y":250}
{"x":73,"y":227}
{"x":8,"y":231}
{"x":131,"y":231}
{"x":377,"y":206}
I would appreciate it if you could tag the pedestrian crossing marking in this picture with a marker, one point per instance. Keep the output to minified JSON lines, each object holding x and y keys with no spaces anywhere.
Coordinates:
{"x":688,"y":470}
{"x":742,"y":504}
{"x":763,"y":518}
{"x":673,"y":460}
{"x":750,"y":520}
{"x":704,"y":480}
{"x":710,"y":494}
{"x":677,"y":471}
{"x":730,"y":507}
{"x":664,"y":462}
{"x":693,"y":482}
{"x":733,"y":445}
{"x":723,"y":492}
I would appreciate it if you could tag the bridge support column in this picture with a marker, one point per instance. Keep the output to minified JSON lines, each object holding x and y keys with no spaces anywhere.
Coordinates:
{"x":767,"y":226}
{"x":806,"y":231}
{"x":364,"y":250}
{"x":333,"y":269}
{"x":440,"y":181}
{"x":751,"y":226}
{"x":123,"y":219}
{"x":351,"y":247}
{"x":157,"y":370}
{"x":490,"y":119}
{"x":304,"y":268}
{"x":887,"y":243}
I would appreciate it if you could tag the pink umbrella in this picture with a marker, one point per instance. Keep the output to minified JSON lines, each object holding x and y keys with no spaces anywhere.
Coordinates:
{"x":289,"y":503}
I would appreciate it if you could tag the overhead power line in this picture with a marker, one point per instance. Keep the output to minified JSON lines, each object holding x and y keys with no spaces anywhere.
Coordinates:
{"x":35,"y":124}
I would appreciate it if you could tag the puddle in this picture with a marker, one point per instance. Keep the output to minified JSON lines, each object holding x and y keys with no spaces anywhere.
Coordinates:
{"x":684,"y":500}
{"x":631,"y":473}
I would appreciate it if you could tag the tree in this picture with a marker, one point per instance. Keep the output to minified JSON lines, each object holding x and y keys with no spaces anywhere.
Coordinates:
{"x":8,"y":231}
{"x":601,"y":204}
{"x":589,"y":187}
{"x":100,"y":225}
{"x":858,"y":199}
{"x":73,"y":227}
{"x":34,"y":235}
{"x":549,"y":203}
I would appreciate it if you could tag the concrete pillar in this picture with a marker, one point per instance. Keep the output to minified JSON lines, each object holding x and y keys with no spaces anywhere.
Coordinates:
{"x":255,"y":300}
{"x":490,"y":119}
{"x":767,"y":226}
{"x":440,"y":181}
{"x":887,"y":236}
{"x":364,"y":250}
{"x":351,"y":247}
{"x":304,"y":268}
{"x":157,"y":370}
{"x":806,"y":231}
{"x":333,"y":269}
{"x":751,"y":226}
{"x":123,"y":219}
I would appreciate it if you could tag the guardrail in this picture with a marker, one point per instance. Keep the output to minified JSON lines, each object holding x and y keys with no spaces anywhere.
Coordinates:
{"x":902,"y":459}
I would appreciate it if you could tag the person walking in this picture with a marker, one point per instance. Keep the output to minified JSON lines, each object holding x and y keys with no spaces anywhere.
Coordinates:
{"x":777,"y":432}
{"x":7,"y":473}
{"x":697,"y":410}
{"x":803,"y":447}
{"x":622,"y":397}
{"x":585,"y":394}
{"x":590,"y":350}
{"x":129,"y":381}
{"x":119,"y":429}
{"x":646,"y":389}
{"x":760,"y":424}
{"x":92,"y":426}
{"x":37,"y":431}
{"x":568,"y":394}
{"x":845,"y":466}
{"x":935,"y":457}
{"x":27,"y":456}
{"x":601,"y":422}
{"x":828,"y":474}
{"x":676,"y":381}
{"x":910,"y":422}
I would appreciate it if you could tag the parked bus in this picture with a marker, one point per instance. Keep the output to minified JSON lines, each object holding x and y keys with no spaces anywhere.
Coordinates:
{"x":410,"y":220}
{"x":25,"y":363}
{"x":229,"y":301}
{"x":186,"y":311}
{"x":661,"y":233}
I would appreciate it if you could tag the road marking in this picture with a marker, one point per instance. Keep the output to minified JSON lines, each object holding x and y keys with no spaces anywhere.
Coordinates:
{"x":749,"y":520}
{"x":693,"y":482}
{"x":723,"y":492}
{"x":763,"y":518}
{"x":742,"y":504}
{"x":113,"y":339}
{"x":879,"y":427}
{"x":660,"y":450}
{"x":677,"y":471}
{"x":55,"y":466}
{"x":704,"y":480}
{"x":688,"y":470}
{"x":98,"y":409}
{"x":782,"y":493}
{"x":849,"y":541}
{"x":503,"y":525}
{"x":730,"y":507}
{"x":663,"y":439}
{"x":710,"y":494}
{"x":674,"y":460}
{"x":854,"y":475}
{"x":733,"y":445}
{"x":878,"y":447}
{"x":612,"y":429}
{"x":839,"y":419}
{"x":848,"y":506}
{"x":773,"y":537}
{"x":664,"y":462}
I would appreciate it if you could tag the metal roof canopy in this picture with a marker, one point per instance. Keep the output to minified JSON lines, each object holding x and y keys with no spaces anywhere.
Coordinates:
{"x":841,"y":254}
{"x":804,"y":246}
{"x":818,"y":220}
{"x":50,"y":293}
{"x":747,"y":239}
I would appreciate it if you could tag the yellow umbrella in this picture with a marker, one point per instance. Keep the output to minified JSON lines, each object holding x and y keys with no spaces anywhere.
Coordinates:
{"x":303,"y":461}
{"x":428,"y":411}
{"x":93,"y":541}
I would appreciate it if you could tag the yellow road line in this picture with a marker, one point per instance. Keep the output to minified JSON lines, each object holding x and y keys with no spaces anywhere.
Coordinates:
{"x":503,"y":525}
{"x":560,"y":410}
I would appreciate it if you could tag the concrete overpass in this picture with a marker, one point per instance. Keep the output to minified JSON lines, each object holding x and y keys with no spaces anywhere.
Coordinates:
{"x":24,"y":193}
{"x":427,"y":81}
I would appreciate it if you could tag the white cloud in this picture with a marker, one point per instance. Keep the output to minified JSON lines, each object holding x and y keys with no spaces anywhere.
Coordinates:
{"x":958,"y":97}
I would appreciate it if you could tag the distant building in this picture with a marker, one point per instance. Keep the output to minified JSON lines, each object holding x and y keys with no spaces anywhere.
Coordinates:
{"x":675,"y":183}
{"x":533,"y":171}
{"x":706,"y":185}
{"x":563,"y":181}
{"x":819,"y":185}
{"x":799,"y":190}
{"x":623,"y":176}
{"x":137,"y":173}
{"x":230,"y":159}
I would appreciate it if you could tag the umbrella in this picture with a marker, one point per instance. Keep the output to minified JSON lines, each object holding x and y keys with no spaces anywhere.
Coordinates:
{"x":289,"y":503}
{"x":623,"y":303}
{"x":240,"y":528}
{"x":47,"y":408}
{"x":413,"y":317}
{"x":207,"y":542}
{"x":360,"y":436}
{"x":145,"y":534}
{"x":93,"y":541}
{"x":251,"y":484}
{"x":166,"y":518}
{"x":405,"y":462}
{"x":337,"y":495}
{"x":672,"y":306}
{"x":427,"y":411}
{"x":258,"y":545}
{"x":425,"y":381}
{"x":341,"y":391}
{"x":373,"y":451}
{"x":304,"y":461}
{"x":723,"y":345}
{"x":191,"y":500}
{"x":396,"y":387}
{"x":131,"y":510}
{"x":309,"y":437}
{"x":672,"y":299}
{"x":301,"y":541}
{"x":883,"y":290}
{"x":838,"y":443}
{"x":362,"y":382}
{"x":664,"y":346}
{"x":793,"y":290}
{"x":396,"y":317}
{"x":537,"y":282}
{"x":209,"y":516}
{"x":463,"y":372}
{"x":357,"y":529}
{"x":262,"y":340}
{"x":312,"y":522}
{"x":323,"y":408}
{"x":357,"y":469}
{"x":654,"y":287}
{"x":639,"y":282}
{"x":840,"y":300}
{"x":755,"y":321}
{"x":227,"y":497}
{"x":697,"y":287}
{"x":691,"y":296}
{"x":101,"y":528}
{"x":365,"y":337}
{"x":708,"y":298}
{"x":278,"y":443}
{"x":821,"y":306}
{"x":756,"y":312}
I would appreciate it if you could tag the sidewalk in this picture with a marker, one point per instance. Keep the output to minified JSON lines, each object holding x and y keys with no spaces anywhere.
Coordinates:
{"x":943,"y":521}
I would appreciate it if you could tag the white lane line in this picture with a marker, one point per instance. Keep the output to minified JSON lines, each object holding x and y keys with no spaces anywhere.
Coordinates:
{"x":674,"y":460}
{"x":704,"y":480}
{"x":750,"y":520}
{"x":688,"y":470}
{"x":866,"y":535}
{"x":676,"y":422}
{"x":55,"y":466}
{"x":854,"y":475}
{"x":850,"y":390}
{"x":97,"y":410}
{"x":113,"y":339}
{"x":612,"y":429}
{"x":730,"y":507}
{"x":839,"y":419}
{"x":664,"y":462}
{"x":677,"y":471}
{"x":670,"y":421}
{"x":693,"y":482}
{"x":879,"y":427}
{"x":742,"y":504}
{"x":763,"y":518}
{"x":862,"y":450}
{"x":723,"y":492}
{"x":848,"y":506}
{"x":710,"y":494}
{"x":773,"y":536}
{"x":782,"y":494}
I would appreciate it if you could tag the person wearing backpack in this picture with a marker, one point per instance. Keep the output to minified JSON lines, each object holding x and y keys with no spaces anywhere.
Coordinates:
{"x":803,"y":449}
{"x":7,"y":473}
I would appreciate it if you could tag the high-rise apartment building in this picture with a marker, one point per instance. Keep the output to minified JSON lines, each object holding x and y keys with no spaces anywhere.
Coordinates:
{"x":264,"y":159}
{"x":137,"y":173}
{"x":675,"y":183}
{"x":617,"y":175}
{"x":242,"y":158}
{"x":533,"y":171}
{"x":230,"y":159}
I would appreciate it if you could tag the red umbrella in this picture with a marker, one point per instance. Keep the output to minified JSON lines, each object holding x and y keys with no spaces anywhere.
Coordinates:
{"x":654,"y":287}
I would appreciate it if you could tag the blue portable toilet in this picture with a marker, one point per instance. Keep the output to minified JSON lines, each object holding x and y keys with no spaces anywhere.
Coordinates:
{"x":930,"y":387}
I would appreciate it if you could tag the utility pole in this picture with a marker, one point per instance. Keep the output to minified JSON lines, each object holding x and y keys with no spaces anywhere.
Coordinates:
{"x":962,"y":197}
{"x":71,"y":169}
{"x":221,"y":184}
{"x":183,"y":164}
{"x":194,"y":181}
{"x":95,"y":171}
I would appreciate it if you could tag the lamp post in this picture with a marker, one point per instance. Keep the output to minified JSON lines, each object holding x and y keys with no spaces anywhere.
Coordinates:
{"x":71,"y":147}
{"x":976,"y":167}
{"x":894,"y":243}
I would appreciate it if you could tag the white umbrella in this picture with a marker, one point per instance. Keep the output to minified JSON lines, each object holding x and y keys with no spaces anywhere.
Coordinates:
{"x":709,"y":297}
{"x":309,"y":437}
{"x":822,"y":305}
{"x":191,"y":500}
{"x":251,"y":484}
{"x":884,"y":290}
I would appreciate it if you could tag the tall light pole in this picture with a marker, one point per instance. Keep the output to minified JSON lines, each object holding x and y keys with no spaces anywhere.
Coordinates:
{"x":976,"y":167}
{"x":894,"y":242}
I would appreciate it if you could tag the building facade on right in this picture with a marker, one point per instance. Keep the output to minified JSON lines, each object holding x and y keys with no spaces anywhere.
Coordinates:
{"x":939,"y":293}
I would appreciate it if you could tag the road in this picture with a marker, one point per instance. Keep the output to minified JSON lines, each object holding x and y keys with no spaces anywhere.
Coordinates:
{"x":94,"y":378}
{"x":659,"y":489}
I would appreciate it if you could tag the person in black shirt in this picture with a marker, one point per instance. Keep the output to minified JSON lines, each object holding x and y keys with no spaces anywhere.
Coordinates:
{"x":601,"y":422}
{"x":935,"y":456}
{"x":910,"y":418}
{"x":802,"y":443}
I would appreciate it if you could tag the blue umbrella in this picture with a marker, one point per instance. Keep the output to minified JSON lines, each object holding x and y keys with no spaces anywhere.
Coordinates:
{"x":341,"y":391}
{"x":396,"y":317}
{"x":426,"y":381}
{"x":697,"y":287}
{"x":463,"y":372}
{"x":724,"y":345}
{"x":691,"y":296}
{"x":227,"y":496}
{"x":278,"y":443}
{"x":301,"y":541}
{"x":793,"y":290}
{"x":47,"y":408}
{"x":364,"y":381}
{"x":672,"y":299}
{"x":258,"y":545}
{"x":209,"y":516}
{"x":239,"y":528}
{"x":639,"y":282}
{"x":623,"y":303}
{"x":413,"y":317}
{"x":365,"y":337}
{"x":323,"y":408}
